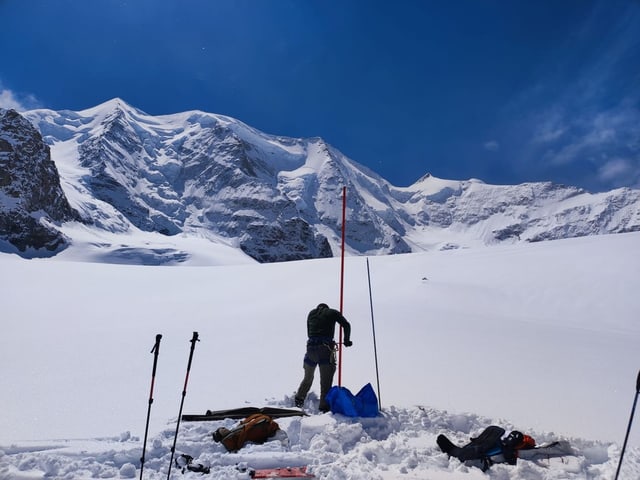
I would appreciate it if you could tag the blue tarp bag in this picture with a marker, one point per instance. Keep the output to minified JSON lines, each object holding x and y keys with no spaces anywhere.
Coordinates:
{"x":368,"y":401}
{"x":363,"y":404}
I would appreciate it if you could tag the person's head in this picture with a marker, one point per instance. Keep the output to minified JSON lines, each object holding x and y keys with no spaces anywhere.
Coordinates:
{"x":513,"y":440}
{"x":322,"y":306}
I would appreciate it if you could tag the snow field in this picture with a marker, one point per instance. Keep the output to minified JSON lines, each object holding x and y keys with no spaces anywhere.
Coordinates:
{"x":542,"y":338}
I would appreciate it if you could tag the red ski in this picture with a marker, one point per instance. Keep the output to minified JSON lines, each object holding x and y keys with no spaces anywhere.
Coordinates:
{"x":285,"y":472}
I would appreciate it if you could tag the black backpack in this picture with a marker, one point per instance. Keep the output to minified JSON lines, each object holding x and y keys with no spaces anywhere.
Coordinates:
{"x":479,"y":450}
{"x":489,"y":447}
{"x":484,"y":445}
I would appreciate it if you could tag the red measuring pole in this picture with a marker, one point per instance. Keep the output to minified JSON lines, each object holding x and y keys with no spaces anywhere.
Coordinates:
{"x":344,"y":219}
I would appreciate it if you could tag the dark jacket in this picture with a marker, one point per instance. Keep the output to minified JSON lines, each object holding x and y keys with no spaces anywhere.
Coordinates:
{"x":321,"y":323}
{"x":491,"y":446}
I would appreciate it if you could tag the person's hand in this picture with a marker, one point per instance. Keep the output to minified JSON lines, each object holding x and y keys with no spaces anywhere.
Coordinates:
{"x":348,"y":343}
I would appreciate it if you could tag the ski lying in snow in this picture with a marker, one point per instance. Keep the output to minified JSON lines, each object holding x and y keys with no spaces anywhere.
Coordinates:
{"x":238,"y":413}
{"x":285,"y":472}
{"x":551,"y":450}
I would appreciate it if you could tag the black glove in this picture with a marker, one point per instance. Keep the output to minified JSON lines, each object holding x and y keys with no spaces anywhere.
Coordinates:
{"x":348,"y":343}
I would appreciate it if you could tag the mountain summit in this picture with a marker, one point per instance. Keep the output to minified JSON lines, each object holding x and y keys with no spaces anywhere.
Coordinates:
{"x":200,"y":175}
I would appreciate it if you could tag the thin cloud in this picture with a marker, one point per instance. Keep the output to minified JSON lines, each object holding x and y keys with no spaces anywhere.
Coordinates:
{"x":586,"y":121}
{"x":622,"y":171}
{"x":491,"y":146}
{"x":8,"y":100}
{"x":615,"y":168}
{"x":11,"y":100}
{"x":578,"y":128}
{"x":551,"y":126}
{"x":595,"y":137}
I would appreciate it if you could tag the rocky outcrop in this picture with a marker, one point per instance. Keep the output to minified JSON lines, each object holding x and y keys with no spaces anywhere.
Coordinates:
{"x":32,"y":202}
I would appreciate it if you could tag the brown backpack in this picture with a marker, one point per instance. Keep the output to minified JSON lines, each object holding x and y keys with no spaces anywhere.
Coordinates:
{"x":256,"y":428}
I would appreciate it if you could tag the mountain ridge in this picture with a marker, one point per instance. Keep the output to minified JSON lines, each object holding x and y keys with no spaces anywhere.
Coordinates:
{"x":279,"y":198}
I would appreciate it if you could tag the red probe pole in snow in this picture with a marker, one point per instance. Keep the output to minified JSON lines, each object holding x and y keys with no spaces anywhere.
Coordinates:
{"x":344,"y":216}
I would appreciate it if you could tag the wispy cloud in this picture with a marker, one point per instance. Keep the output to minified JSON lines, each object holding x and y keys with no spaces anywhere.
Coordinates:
{"x":615,"y":169}
{"x":8,"y":100}
{"x":583,"y":135}
{"x":605,"y":145}
{"x":18,"y":102}
{"x":491,"y":145}
{"x":586,"y":121}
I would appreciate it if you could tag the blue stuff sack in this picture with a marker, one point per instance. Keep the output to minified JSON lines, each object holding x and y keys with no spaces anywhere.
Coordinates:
{"x":363,"y":404}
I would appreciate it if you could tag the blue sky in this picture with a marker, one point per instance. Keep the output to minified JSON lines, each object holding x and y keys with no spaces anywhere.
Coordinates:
{"x":501,"y":90}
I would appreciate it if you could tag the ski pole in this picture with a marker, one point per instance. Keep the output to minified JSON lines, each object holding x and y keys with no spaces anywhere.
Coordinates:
{"x":626,"y":437}
{"x":193,"y":341}
{"x":373,"y":329}
{"x":155,"y":350}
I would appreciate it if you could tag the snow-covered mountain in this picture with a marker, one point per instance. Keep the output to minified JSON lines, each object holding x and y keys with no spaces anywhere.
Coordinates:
{"x":196,"y":174}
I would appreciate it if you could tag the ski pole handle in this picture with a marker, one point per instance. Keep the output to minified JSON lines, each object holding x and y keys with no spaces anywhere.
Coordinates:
{"x":156,"y":346}
{"x":193,"y":341}
{"x":155,"y":350}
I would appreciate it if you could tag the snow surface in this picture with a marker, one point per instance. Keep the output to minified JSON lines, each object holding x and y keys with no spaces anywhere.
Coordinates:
{"x":541,"y":337}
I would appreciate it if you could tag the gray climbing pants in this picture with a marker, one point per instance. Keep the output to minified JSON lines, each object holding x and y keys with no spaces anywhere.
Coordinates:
{"x":322,"y":356}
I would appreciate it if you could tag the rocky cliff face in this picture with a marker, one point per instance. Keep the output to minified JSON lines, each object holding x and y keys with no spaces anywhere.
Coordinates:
{"x":31,"y":199}
{"x":276,"y":198}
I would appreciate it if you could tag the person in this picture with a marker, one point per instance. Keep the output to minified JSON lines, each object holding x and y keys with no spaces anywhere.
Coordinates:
{"x":321,"y":352}
{"x":493,"y":445}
